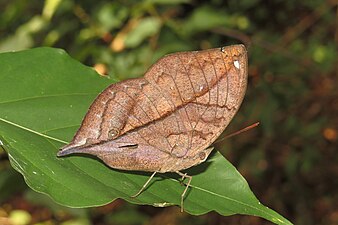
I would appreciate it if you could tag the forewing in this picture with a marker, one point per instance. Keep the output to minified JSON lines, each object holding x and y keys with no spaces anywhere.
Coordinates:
{"x":181,"y":105}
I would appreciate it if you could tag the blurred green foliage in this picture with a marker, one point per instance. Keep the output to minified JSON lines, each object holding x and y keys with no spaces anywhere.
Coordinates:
{"x":290,"y":161}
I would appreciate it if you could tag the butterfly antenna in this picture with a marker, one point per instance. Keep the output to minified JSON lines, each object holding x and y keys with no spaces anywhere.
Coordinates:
{"x":237,"y":132}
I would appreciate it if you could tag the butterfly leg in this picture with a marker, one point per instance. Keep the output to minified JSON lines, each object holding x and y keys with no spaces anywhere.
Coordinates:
{"x":144,"y":186}
{"x":184,"y":175}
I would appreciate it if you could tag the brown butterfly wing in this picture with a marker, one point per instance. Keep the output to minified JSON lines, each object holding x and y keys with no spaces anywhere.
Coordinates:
{"x":166,"y":120}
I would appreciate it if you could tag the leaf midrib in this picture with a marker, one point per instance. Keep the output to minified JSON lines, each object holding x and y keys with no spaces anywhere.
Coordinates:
{"x":32,"y":131}
{"x":47,"y":96}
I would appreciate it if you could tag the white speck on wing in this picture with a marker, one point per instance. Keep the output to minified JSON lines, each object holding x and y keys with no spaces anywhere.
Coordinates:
{"x":236,"y":63}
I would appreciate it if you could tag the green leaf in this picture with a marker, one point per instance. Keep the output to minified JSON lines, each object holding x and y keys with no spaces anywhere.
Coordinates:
{"x":145,"y":28}
{"x":206,"y":18}
{"x":111,"y":15}
{"x":44,"y":96}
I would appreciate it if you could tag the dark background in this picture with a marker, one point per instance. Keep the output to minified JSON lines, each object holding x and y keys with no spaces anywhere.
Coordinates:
{"x":290,"y":160}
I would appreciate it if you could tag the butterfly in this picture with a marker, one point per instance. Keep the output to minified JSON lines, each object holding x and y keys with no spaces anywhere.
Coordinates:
{"x":166,"y":120}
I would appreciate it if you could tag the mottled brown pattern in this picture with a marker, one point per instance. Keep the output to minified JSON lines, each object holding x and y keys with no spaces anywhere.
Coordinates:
{"x":164,"y":121}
